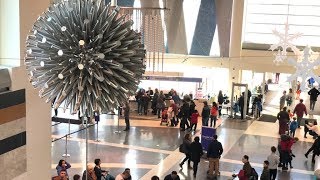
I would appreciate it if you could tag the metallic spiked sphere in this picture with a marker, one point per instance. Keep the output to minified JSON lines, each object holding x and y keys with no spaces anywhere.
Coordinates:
{"x":82,"y":55}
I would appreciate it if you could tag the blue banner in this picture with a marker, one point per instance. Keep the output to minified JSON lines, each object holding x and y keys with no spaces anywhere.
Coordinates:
{"x":207,"y":136}
{"x":171,"y":78}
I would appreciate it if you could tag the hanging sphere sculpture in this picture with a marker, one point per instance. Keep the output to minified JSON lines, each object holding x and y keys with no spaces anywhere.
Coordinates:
{"x":81,"y":55}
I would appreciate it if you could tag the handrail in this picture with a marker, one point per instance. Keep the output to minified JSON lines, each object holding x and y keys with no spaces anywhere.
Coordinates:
{"x":72,"y":133}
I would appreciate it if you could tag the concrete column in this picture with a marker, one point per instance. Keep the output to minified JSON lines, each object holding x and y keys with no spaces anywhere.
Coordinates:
{"x":236,"y":28}
{"x":235,"y":41}
{"x":224,"y":14}
{"x":9,"y":33}
{"x":174,"y":19}
{"x":38,"y":113}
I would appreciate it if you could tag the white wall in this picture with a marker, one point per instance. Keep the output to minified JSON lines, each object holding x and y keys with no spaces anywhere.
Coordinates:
{"x":9,"y":33}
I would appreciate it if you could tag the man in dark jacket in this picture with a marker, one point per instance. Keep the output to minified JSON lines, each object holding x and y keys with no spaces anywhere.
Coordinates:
{"x":173,"y":176}
{"x":196,"y":153}
{"x":241,"y":104}
{"x":205,"y":114}
{"x":214,"y":153}
{"x":248,"y":101}
{"x":314,"y":93}
{"x":246,"y":166}
{"x":185,"y":112}
{"x":315,"y":148}
{"x":299,"y":110}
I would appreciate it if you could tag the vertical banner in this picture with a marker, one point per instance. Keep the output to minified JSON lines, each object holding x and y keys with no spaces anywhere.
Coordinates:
{"x":207,"y":136}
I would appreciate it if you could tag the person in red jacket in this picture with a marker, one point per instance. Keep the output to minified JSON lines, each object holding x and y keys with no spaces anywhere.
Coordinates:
{"x":285,"y":150}
{"x":300,"y":109}
{"x":194,"y":119}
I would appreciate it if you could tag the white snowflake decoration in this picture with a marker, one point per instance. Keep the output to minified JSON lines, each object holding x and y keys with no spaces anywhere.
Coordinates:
{"x":285,"y":42}
{"x":279,"y":57}
{"x":304,"y":69}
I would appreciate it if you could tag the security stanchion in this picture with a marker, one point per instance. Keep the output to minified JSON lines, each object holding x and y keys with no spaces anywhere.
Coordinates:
{"x":66,"y":149}
{"x":118,"y":131}
{"x":87,"y":148}
{"x":69,"y":136}
{"x":97,"y":136}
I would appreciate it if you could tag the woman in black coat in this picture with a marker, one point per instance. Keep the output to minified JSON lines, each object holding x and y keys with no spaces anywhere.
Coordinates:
{"x":196,"y":153}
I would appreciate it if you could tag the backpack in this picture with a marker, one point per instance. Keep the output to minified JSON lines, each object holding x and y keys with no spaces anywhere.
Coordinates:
{"x":254,"y":174}
{"x":181,"y":148}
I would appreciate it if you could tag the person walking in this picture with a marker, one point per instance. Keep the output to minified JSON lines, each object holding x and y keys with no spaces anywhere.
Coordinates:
{"x":196,"y":153}
{"x":285,"y":150}
{"x":185,"y":113}
{"x":314,"y":93}
{"x":293,"y":126}
{"x":220,"y":102}
{"x":186,"y":150}
{"x":289,"y":97}
{"x":315,"y":148}
{"x":298,"y":90}
{"x":274,"y":160}
{"x":214,"y":153}
{"x":283,"y":118}
{"x":300,"y":109}
{"x":194,"y":120}
{"x":126,"y":112}
{"x":283,"y":100}
{"x":205,"y":114}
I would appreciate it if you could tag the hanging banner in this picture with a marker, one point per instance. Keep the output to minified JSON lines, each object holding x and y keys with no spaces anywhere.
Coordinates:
{"x":171,"y":78}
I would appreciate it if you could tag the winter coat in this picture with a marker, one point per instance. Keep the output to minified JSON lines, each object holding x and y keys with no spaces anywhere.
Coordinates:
{"x":205,"y":112}
{"x":314,"y":93}
{"x":196,"y":151}
{"x":300,"y":109}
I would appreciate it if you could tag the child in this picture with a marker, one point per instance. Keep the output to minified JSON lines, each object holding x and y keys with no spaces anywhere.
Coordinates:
{"x":273,"y":160}
{"x":293,"y":126}
{"x":214,"y":113}
{"x":290,"y":159}
{"x":164,"y":115}
{"x":194,"y":119}
{"x":265,"y":173}
{"x":290,"y":114}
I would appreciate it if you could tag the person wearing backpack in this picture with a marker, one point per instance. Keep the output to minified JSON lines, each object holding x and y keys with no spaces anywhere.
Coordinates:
{"x":186,"y":150}
{"x":265,"y":173}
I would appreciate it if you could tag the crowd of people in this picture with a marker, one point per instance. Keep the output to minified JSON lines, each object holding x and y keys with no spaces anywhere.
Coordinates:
{"x":179,"y":110}
{"x":91,"y":172}
{"x":183,"y":111}
{"x":97,"y":173}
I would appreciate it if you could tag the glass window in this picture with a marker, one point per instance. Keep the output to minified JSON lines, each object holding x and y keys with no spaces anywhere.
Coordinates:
{"x":190,"y":12}
{"x":261,"y":17}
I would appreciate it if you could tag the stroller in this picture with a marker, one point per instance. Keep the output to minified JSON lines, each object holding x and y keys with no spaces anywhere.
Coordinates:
{"x":164,"y":117}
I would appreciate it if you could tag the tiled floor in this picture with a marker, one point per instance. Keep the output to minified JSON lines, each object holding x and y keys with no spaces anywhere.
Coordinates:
{"x":150,"y":149}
